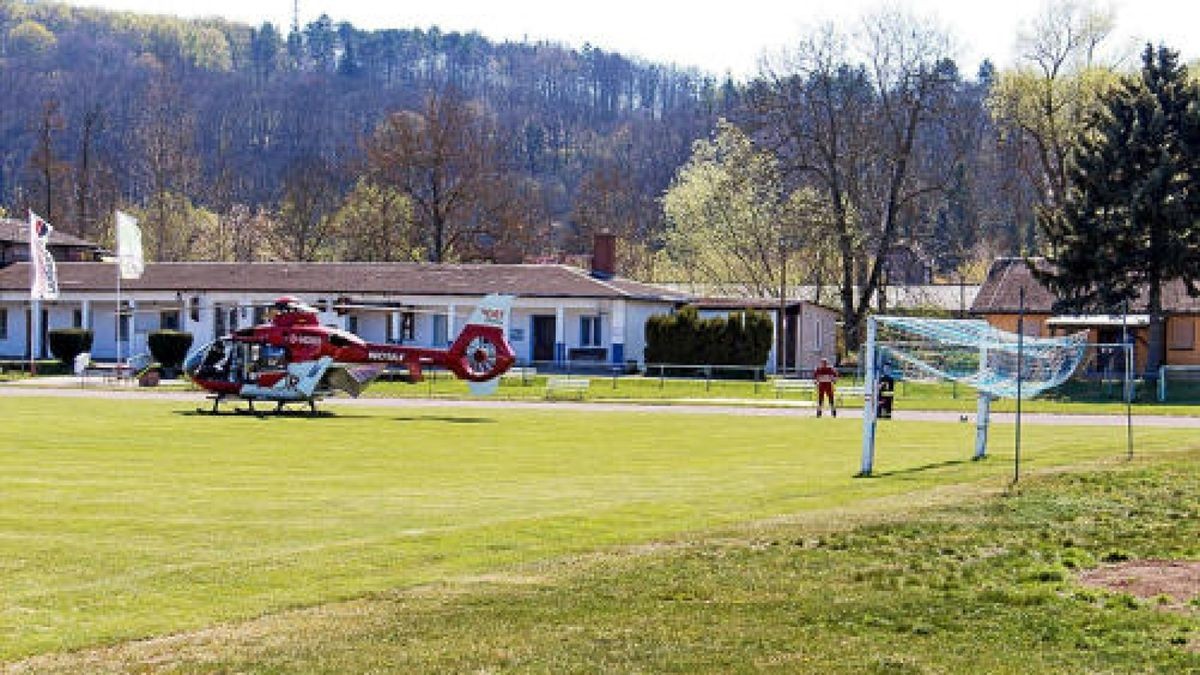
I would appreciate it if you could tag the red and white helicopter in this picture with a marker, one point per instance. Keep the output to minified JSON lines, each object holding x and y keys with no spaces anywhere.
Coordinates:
{"x":295,"y":360}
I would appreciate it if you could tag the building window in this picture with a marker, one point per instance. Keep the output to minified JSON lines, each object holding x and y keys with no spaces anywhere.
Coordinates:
{"x":169,"y":320}
{"x":440,"y":330}
{"x":352,"y":324}
{"x":3,"y":323}
{"x":77,"y":318}
{"x":122,"y":327}
{"x":1182,"y":333}
{"x":404,"y":322}
{"x":220,"y":321}
{"x":589,"y":331}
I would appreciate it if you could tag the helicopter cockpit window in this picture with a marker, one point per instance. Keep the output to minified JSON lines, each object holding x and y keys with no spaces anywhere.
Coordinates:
{"x":218,"y":361}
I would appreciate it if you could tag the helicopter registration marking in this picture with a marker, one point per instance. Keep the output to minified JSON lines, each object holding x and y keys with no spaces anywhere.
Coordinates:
{"x":384,"y":356}
{"x":311,"y":340}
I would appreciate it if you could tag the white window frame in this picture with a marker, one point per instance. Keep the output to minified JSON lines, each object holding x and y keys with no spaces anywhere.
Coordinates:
{"x":591,"y":331}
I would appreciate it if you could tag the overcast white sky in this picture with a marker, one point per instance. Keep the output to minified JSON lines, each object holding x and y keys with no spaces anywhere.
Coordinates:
{"x":715,"y":36}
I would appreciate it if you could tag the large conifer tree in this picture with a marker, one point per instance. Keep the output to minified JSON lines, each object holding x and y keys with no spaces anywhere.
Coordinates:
{"x":1130,"y":223}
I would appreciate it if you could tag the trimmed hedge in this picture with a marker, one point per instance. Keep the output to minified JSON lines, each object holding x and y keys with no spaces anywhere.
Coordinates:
{"x":169,"y":347}
{"x":67,"y":343}
{"x":742,"y":339}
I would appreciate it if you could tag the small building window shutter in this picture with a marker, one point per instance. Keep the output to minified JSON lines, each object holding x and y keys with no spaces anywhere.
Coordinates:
{"x":1183,"y":333}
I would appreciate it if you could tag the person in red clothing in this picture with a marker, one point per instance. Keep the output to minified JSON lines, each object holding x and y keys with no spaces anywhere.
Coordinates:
{"x":825,"y":376}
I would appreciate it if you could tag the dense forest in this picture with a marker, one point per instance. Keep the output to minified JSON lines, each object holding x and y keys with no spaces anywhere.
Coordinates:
{"x":240,"y":143}
{"x":862,"y":146}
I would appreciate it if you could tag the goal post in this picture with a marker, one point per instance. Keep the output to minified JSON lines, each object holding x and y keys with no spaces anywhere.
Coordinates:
{"x":993,"y":362}
{"x":870,"y":406}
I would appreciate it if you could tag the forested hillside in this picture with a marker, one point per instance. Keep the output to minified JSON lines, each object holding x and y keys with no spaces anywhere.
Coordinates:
{"x":863,"y":156}
{"x":238,"y":142}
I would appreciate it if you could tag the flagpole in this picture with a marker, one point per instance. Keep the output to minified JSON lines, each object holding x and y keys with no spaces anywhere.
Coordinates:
{"x":129,"y":262}
{"x":119,"y":331}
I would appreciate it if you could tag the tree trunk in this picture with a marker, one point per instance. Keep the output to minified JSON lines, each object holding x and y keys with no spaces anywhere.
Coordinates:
{"x":1157,"y":338}
{"x":850,"y":339}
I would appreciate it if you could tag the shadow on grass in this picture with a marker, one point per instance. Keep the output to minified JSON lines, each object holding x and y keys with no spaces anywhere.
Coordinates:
{"x":923,"y":467}
{"x":448,"y":419}
{"x":269,"y":413}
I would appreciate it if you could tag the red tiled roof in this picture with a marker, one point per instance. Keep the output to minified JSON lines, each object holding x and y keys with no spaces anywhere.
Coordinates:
{"x":1000,"y":293}
{"x":383,"y":278}
{"x":17,"y":232}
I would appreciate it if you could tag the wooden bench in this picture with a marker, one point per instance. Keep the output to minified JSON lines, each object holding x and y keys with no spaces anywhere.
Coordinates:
{"x":785,"y":386}
{"x":567,"y":385}
{"x":842,"y":392}
{"x":525,"y":375}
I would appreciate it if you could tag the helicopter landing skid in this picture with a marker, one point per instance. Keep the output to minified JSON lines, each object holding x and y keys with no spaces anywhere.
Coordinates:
{"x":280,"y":408}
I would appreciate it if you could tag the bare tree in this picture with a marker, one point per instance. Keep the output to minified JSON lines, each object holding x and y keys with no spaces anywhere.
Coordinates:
{"x":845,"y":114}
{"x":167,"y":164}
{"x":1042,"y":103}
{"x":444,"y":159}
{"x":304,"y":229}
{"x":45,"y":163}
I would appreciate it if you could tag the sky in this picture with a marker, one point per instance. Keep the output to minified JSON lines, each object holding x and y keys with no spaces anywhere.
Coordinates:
{"x":718,"y":37}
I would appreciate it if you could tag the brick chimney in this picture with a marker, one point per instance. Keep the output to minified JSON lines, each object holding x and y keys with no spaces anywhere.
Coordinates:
{"x":604,"y":255}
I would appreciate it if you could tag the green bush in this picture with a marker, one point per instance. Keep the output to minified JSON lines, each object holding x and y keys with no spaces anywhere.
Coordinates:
{"x":67,"y":343}
{"x":169,"y":347}
{"x":742,"y":339}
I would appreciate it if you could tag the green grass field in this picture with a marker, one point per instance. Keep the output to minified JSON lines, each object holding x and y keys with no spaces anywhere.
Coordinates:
{"x":128,"y":519}
{"x":1075,"y":399}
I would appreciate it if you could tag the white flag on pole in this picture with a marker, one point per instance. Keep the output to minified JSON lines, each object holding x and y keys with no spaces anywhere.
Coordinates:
{"x":44,"y":282}
{"x":129,"y":246}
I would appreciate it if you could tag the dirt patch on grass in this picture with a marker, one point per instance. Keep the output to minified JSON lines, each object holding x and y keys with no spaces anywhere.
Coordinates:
{"x":1174,"y":579}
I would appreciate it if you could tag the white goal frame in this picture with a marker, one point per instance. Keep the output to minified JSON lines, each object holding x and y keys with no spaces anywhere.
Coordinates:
{"x":1163,"y":371}
{"x":983,"y":406}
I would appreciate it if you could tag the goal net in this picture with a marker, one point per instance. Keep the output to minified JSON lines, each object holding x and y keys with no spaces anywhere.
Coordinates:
{"x":996,"y":363}
{"x":974,"y":353}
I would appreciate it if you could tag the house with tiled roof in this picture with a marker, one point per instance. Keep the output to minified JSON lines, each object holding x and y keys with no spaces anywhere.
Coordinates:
{"x":999,"y":302}
{"x":14,"y":244}
{"x":562,"y":313}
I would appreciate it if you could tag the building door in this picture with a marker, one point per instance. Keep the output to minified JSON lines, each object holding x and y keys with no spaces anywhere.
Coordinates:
{"x":543,"y":338}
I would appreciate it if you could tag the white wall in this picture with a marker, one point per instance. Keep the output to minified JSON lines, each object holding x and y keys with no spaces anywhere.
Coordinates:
{"x":636,"y":315}
{"x":12,"y":346}
{"x":372,"y":326}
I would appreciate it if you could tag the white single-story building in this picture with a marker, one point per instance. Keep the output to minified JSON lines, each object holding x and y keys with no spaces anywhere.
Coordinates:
{"x":561,"y":314}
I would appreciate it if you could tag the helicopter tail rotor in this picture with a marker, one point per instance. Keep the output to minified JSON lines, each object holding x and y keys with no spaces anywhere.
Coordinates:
{"x":481,"y":353}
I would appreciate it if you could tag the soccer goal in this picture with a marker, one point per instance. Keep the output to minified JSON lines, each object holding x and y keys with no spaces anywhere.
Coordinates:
{"x":1179,"y":383}
{"x":992,"y":362}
